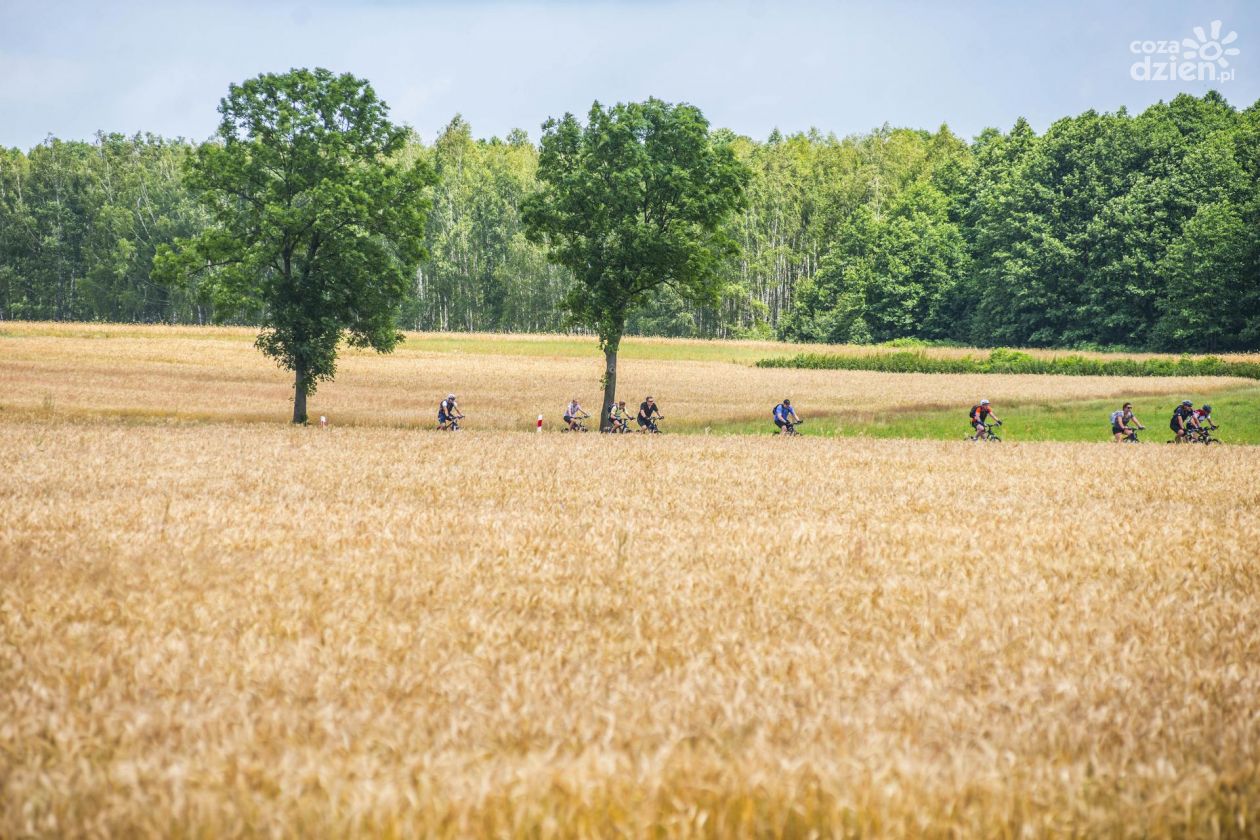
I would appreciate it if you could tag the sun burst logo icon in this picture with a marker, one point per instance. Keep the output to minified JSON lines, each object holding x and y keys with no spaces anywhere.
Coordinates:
{"x":1214,"y":48}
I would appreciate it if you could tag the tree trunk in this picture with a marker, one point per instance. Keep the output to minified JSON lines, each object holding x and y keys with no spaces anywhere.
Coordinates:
{"x":610,"y":382}
{"x":299,"y":394}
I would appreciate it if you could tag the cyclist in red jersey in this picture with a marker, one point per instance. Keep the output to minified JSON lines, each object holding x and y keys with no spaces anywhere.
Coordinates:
{"x":1202,"y":418}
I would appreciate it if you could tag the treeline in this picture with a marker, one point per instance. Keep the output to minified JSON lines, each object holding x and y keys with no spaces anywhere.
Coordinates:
{"x":80,"y":222}
{"x":1109,"y":230}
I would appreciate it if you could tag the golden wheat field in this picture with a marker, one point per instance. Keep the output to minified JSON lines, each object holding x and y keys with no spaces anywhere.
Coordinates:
{"x":225,"y":629}
{"x":225,"y":626}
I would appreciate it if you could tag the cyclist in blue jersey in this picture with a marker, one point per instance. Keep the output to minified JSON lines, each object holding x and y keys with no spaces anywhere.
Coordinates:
{"x":785,"y":417}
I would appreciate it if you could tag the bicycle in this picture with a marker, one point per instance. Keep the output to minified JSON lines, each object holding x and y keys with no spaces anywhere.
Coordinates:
{"x":1130,"y":435}
{"x":988,"y":433}
{"x":789,"y":429}
{"x":452,"y":424}
{"x":1202,"y":435}
{"x":617,"y":426}
{"x":576,"y":424}
{"x":651,"y":427}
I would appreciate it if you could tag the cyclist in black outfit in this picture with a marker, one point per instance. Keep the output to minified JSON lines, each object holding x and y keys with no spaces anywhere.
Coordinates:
{"x":648,"y":415}
{"x":1181,"y":420}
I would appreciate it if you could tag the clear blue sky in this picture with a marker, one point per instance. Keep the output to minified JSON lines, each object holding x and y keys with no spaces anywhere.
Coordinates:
{"x":72,"y":68}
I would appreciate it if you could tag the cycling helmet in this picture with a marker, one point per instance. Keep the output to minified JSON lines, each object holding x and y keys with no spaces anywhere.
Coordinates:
{"x":786,"y":401}
{"x":1207,"y":408}
{"x":1187,"y":403}
{"x":984,"y":402}
{"x":450,"y":396}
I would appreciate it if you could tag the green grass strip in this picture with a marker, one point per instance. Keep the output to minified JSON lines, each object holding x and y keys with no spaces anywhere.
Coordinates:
{"x":1237,"y":411}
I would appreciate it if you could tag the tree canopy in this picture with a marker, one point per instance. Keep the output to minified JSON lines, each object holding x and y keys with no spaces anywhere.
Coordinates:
{"x":632,"y":202}
{"x":316,"y":219}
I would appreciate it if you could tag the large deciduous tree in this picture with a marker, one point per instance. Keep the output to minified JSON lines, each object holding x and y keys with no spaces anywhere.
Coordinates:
{"x":632,"y":203}
{"x":317,"y":219}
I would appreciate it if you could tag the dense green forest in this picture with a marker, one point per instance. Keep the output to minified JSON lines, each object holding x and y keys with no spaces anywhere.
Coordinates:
{"x":1108,"y":230}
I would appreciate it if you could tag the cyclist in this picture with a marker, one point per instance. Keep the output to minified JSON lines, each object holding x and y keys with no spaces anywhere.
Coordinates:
{"x":618,"y":419}
{"x":573,"y":413}
{"x":1182,"y":420}
{"x":1203,"y":418}
{"x":979,"y":414}
{"x":449,"y":414}
{"x":648,"y":415}
{"x":785,"y":417}
{"x":1124,"y":422}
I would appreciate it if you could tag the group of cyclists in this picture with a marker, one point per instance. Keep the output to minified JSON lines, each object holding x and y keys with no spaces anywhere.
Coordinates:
{"x":1189,"y":424}
{"x":449,"y":415}
{"x":1192,"y":425}
{"x":618,"y":417}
